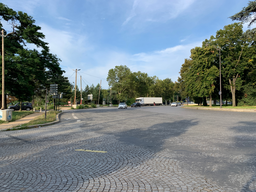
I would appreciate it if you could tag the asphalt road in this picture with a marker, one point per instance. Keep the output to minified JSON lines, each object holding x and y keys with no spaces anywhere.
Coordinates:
{"x":135,"y":149}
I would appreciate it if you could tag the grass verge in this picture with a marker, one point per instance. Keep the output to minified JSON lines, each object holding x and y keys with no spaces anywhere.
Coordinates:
{"x":223,"y":106}
{"x":50,"y":117}
{"x":18,"y":115}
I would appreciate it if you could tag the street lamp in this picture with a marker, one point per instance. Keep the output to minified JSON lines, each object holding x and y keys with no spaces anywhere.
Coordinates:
{"x":220,"y":93}
{"x":75,"y":86}
{"x":3,"y":36}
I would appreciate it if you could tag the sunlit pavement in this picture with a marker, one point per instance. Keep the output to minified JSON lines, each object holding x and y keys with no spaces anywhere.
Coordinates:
{"x":134,"y":149}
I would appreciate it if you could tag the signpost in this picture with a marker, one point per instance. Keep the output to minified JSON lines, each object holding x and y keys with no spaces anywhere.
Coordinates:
{"x":54,"y":93}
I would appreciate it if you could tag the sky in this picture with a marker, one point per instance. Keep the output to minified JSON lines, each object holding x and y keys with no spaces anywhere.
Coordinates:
{"x":151,"y":36}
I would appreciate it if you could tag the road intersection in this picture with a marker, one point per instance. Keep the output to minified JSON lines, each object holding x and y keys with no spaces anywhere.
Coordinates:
{"x":140,"y":149}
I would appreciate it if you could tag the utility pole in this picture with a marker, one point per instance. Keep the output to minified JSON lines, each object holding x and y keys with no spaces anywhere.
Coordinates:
{"x":3,"y":70}
{"x":81,"y":90}
{"x":75,"y":87}
{"x":45,"y":108}
{"x":3,"y":95}
{"x":99,"y":94}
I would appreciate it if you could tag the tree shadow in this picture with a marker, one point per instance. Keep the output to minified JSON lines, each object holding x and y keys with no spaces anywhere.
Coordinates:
{"x":245,"y":142}
{"x":56,"y":154}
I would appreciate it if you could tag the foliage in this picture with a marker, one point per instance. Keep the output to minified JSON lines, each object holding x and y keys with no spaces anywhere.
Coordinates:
{"x":28,"y":71}
{"x":247,"y":14}
{"x":93,"y":106}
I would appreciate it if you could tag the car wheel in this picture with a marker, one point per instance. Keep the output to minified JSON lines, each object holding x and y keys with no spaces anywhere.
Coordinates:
{"x":28,"y":109}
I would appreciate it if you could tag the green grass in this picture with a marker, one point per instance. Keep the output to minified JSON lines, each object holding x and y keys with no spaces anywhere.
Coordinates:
{"x":223,"y":106}
{"x":18,"y":115}
{"x":50,"y":117}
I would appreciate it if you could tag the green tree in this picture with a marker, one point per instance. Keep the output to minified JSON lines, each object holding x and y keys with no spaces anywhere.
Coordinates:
{"x":247,"y":14}
{"x":27,"y":71}
{"x":235,"y":55}
{"x":118,"y":79}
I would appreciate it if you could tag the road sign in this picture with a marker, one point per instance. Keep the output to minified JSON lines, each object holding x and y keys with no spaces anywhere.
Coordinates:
{"x":54,"y":90}
{"x":90,"y":97}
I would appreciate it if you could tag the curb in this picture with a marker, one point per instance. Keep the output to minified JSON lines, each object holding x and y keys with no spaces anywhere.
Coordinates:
{"x":42,"y":125}
{"x":218,"y":109}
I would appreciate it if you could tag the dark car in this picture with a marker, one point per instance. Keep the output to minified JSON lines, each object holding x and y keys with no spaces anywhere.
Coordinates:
{"x":24,"y":106}
{"x":136,"y":105}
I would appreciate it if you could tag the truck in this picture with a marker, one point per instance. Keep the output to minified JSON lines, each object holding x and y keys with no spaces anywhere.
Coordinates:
{"x":149,"y":100}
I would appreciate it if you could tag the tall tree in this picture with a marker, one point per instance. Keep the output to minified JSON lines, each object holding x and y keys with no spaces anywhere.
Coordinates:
{"x":118,"y":79}
{"x":247,"y":14}
{"x":236,"y":53}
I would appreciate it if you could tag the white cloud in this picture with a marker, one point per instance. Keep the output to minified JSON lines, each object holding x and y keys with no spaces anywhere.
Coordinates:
{"x":64,"y":44}
{"x":156,"y":11}
{"x":17,"y":5}
{"x":63,"y":18}
{"x":164,"y":63}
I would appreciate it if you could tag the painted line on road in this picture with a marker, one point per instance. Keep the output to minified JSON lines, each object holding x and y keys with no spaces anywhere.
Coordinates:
{"x":74,"y":116}
{"x":93,"y":151}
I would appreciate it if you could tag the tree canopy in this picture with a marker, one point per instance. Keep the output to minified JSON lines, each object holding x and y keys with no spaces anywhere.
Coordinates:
{"x":27,"y":71}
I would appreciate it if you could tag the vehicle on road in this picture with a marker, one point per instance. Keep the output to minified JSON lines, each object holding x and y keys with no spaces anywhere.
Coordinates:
{"x":149,"y":101}
{"x":122,"y":106}
{"x":136,"y":105}
{"x":24,"y":106}
{"x":179,"y":104}
{"x":174,"y":104}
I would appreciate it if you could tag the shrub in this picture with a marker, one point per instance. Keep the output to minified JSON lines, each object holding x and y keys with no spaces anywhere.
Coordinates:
{"x":93,"y":106}
{"x":130,"y":101}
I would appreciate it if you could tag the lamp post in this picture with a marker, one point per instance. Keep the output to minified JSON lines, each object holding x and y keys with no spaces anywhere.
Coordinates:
{"x":220,"y":93}
{"x":3,"y":36}
{"x":75,"y":87}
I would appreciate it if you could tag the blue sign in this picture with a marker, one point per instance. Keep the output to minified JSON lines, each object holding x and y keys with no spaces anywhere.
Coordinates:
{"x":9,"y":117}
{"x":1,"y":114}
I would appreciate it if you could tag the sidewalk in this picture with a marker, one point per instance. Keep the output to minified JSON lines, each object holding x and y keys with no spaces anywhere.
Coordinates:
{"x":19,"y":122}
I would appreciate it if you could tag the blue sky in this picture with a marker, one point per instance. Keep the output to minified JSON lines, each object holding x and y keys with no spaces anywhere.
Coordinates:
{"x":152,"y":36}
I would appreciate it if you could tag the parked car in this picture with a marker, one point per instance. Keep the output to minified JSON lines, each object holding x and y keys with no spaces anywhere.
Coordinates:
{"x":136,"y":105}
{"x":174,"y":104}
{"x":179,"y":104}
{"x":24,"y":106}
{"x":122,"y":106}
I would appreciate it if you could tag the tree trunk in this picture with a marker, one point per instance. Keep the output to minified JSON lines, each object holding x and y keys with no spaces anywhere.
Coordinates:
{"x":211,"y":100}
{"x":20,"y":105}
{"x":204,"y":101}
{"x":233,"y":90}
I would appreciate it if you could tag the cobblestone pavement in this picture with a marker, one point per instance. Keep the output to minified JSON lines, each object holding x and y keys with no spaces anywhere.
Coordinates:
{"x":144,"y":149}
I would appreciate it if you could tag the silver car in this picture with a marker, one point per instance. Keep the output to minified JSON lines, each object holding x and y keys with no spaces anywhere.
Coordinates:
{"x":174,"y":104}
{"x":122,"y":106}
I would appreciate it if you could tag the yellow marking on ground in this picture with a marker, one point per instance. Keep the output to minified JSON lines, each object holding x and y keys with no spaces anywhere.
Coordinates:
{"x":93,"y":151}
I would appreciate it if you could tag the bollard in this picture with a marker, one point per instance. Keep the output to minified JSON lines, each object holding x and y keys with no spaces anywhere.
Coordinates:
{"x":40,"y":109}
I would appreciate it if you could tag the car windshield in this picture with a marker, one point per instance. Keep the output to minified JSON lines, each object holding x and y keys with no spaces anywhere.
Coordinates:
{"x":174,"y":103}
{"x":122,"y":104}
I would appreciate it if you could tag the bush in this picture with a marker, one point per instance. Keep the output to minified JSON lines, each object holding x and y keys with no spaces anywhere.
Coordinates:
{"x":130,"y":101}
{"x":80,"y":107}
{"x":93,"y":106}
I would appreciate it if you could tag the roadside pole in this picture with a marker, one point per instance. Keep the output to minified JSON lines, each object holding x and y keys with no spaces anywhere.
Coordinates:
{"x":45,"y":108}
{"x":99,"y":94}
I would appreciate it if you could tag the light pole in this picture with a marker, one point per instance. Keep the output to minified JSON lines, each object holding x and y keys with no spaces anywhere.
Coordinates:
{"x":220,"y":93}
{"x":3,"y":36}
{"x":75,"y":86}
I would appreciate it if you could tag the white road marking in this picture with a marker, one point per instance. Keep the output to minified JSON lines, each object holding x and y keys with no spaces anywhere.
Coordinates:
{"x":74,"y":116}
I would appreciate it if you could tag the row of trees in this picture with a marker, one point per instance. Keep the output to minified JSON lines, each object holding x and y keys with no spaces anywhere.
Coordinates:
{"x":129,"y":85}
{"x":28,"y":72}
{"x":235,"y":51}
